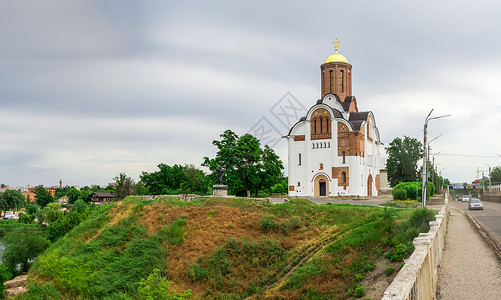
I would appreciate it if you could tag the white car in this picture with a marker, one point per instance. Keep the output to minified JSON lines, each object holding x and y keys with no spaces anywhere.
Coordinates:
{"x":475,"y":204}
{"x":465,"y":199}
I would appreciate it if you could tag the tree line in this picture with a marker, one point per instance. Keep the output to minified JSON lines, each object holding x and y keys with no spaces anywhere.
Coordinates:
{"x":241,"y":163}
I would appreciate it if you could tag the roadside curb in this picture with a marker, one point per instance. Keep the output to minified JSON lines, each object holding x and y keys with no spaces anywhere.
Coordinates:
{"x":486,"y":236}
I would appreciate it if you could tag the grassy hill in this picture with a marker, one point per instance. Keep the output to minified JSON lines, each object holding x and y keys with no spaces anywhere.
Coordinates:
{"x":221,"y":248}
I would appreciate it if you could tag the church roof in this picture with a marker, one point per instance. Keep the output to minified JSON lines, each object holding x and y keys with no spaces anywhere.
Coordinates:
{"x":356,"y":124}
{"x":359,"y":116}
{"x":336,"y":57}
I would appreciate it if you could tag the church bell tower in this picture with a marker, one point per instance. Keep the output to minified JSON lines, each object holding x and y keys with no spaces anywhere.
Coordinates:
{"x":336,"y":75}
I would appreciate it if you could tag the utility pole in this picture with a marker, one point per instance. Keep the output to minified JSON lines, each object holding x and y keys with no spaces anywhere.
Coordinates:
{"x":425,"y":162}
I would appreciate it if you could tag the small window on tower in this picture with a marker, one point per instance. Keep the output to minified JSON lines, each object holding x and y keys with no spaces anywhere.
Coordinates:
{"x":299,"y":158}
{"x":331,"y":81}
{"x":344,"y":157}
{"x":343,"y":177}
{"x":321,"y":166}
{"x":341,"y":81}
{"x":298,"y":184}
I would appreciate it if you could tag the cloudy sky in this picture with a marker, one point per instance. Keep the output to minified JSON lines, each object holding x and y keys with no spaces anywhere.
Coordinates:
{"x":89,"y":89}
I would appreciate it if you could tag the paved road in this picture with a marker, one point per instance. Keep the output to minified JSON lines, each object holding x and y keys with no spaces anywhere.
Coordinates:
{"x":489,"y":218}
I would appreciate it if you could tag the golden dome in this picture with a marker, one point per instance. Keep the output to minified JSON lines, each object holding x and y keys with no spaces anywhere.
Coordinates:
{"x":336,"y":57}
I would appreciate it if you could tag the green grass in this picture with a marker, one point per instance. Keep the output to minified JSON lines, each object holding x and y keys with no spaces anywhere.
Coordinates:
{"x":102,"y":260}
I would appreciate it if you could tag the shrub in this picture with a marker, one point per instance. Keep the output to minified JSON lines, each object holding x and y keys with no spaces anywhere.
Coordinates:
{"x":157,"y":287}
{"x":197,"y":272}
{"x":5,"y":275}
{"x":401,"y":251}
{"x":175,"y":234}
{"x":399,"y":194}
{"x":23,"y":245}
{"x":359,"y":291}
{"x":389,"y":271}
{"x":25,"y":218}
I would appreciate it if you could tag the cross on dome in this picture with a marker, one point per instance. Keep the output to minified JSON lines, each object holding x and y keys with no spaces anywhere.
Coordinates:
{"x":336,"y":44}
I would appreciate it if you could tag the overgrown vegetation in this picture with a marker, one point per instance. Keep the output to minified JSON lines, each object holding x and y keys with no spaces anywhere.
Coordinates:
{"x":413,"y":190}
{"x":222,"y":249}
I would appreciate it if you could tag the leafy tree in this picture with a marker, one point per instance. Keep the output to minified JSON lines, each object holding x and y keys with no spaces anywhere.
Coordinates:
{"x":23,"y":245}
{"x":225,"y":160}
{"x":85,"y":195}
{"x":61,"y":192}
{"x":79,"y":206}
{"x":174,"y":180}
{"x":196,"y":180}
{"x":73,"y":194}
{"x":403,"y":156}
{"x":496,"y":175}
{"x":11,"y":199}
{"x":42,"y":196}
{"x":249,"y":166}
{"x":32,"y":209}
{"x":25,"y":218}
{"x":52,"y":212}
{"x":125,"y":186}
{"x":243,"y":164}
{"x":272,"y":169}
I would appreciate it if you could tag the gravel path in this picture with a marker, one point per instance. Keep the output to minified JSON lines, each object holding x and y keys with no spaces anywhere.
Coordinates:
{"x":468,"y":268}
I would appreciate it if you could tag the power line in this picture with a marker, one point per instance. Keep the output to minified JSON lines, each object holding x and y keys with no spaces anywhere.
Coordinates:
{"x":467,"y":155}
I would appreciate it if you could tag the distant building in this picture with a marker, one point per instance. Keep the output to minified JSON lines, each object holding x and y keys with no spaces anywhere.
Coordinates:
{"x":63,"y":200}
{"x":99,"y":198}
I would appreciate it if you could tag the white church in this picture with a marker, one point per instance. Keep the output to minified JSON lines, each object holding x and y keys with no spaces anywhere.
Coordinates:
{"x":335,"y":149}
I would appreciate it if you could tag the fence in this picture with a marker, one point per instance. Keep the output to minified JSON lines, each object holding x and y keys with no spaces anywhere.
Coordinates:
{"x":418,"y":278}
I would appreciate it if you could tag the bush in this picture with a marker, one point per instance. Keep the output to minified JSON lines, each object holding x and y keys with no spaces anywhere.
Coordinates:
{"x":157,"y":287}
{"x":25,"y":218}
{"x":399,"y":194}
{"x":359,"y":291}
{"x":401,"y":251}
{"x":389,"y":271}
{"x":23,"y":245}
{"x":412,"y":188}
{"x":5,"y":275}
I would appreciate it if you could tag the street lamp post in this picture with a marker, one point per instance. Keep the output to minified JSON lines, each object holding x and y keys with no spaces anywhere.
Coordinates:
{"x":425,"y":162}
{"x":490,"y":183}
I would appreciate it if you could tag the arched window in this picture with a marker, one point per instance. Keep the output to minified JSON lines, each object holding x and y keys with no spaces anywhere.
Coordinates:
{"x":327,"y":122}
{"x":331,"y":81}
{"x":299,"y":158}
{"x":341,"y":81}
{"x":315,"y":126}
{"x":343,"y":177}
{"x":321,"y":166}
{"x":298,"y":184}
{"x":321,"y":127}
{"x":328,"y":144}
{"x":344,"y":157}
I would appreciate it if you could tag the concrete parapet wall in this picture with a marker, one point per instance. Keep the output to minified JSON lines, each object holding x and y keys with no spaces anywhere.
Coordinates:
{"x":491,"y":197}
{"x":418,"y":278}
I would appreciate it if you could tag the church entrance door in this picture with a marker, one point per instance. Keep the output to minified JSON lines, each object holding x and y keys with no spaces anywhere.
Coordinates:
{"x":369,"y":185}
{"x":323,"y":187}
